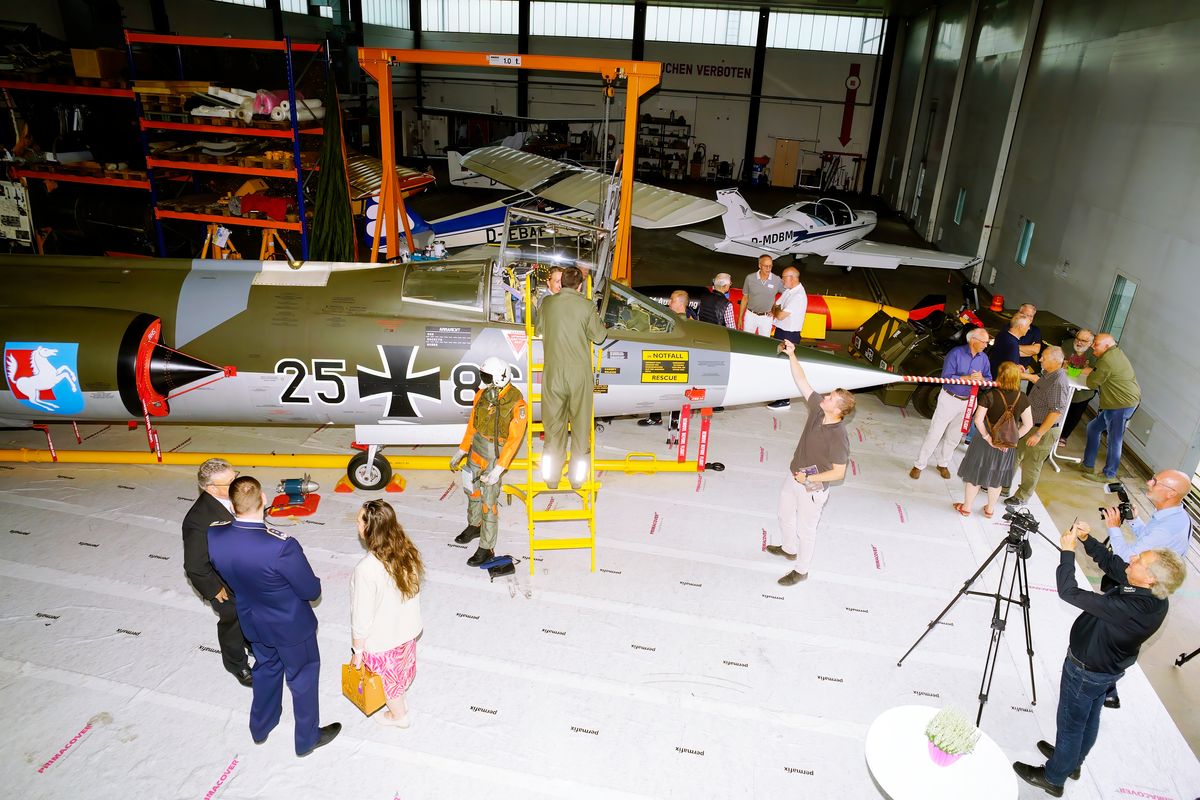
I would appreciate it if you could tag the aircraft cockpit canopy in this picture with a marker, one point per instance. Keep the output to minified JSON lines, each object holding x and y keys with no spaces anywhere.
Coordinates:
{"x":827,"y":211}
{"x":627,"y":311}
{"x":454,"y":285}
{"x":842,"y":215}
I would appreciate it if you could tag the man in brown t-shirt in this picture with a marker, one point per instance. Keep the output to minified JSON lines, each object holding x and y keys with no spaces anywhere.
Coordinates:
{"x":820,"y":460}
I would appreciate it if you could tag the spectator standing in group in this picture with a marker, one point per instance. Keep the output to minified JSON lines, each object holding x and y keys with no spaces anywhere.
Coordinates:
{"x":213,"y":478}
{"x":788,"y":313}
{"x":1120,"y":394}
{"x":1077,"y":356}
{"x":274,"y":587}
{"x":1030,"y":343}
{"x":679,"y":306}
{"x":989,"y":462}
{"x":945,"y":429}
{"x":715,"y":307}
{"x":1048,"y":401}
{"x":758,"y":297}
{"x":385,"y":607}
{"x":1007,"y":346}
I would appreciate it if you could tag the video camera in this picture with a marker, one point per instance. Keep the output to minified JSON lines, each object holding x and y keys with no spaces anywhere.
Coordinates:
{"x":1124,"y":507}
{"x":1020,"y":524}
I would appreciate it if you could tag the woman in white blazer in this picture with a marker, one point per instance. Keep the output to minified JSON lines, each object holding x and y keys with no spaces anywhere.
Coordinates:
{"x":385,"y":606}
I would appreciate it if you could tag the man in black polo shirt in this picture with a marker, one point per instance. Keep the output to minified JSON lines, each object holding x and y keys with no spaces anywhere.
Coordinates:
{"x":819,"y":461}
{"x":1105,"y":641}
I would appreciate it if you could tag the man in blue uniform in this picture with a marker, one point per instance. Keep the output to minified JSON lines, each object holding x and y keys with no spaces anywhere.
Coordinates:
{"x":273,"y":585}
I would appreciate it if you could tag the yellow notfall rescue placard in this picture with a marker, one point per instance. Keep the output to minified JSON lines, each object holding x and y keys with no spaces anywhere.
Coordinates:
{"x":664,"y":366}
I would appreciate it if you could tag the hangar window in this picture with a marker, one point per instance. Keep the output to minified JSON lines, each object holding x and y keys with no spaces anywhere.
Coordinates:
{"x":585,"y":20}
{"x":385,"y":12}
{"x":825,"y":32}
{"x":301,"y":7}
{"x":958,"y":206}
{"x":1025,"y":241}
{"x":701,"y":25}
{"x":469,"y":16}
{"x":1118,"y":306}
{"x":250,"y":3}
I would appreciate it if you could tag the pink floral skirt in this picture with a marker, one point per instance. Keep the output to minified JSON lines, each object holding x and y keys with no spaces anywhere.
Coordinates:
{"x":397,"y":667}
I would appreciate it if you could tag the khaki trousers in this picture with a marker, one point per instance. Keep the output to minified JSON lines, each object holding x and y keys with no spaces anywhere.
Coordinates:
{"x":799,"y":514}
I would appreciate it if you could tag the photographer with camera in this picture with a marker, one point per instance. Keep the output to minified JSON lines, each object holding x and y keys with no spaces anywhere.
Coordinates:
{"x":1105,"y":641}
{"x":1169,"y":527}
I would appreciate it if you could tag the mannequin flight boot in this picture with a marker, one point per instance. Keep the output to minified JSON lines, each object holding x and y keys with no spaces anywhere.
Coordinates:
{"x":468,"y":533}
{"x":480,"y":557}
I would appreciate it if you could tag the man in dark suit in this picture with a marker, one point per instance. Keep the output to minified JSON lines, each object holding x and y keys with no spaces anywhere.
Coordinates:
{"x":213,"y":505}
{"x":273,"y":585}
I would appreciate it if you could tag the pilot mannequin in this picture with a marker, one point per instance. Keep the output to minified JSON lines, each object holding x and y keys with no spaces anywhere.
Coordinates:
{"x":494,"y":431}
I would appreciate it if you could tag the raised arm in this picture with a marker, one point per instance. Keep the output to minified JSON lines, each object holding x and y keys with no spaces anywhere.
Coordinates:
{"x":797,"y":370}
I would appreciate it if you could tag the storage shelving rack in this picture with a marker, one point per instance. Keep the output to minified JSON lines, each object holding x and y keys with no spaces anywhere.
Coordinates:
{"x":657,"y":144}
{"x":292,"y":133}
{"x":67,"y":176}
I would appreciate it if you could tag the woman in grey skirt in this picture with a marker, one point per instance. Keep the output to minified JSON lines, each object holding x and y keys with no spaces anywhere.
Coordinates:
{"x":987,"y":464}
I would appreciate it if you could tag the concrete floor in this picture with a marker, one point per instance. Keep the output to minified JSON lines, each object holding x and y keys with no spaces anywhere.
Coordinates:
{"x":660,"y":257}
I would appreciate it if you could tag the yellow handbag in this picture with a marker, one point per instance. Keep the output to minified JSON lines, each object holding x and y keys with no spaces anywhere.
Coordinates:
{"x":364,"y":688}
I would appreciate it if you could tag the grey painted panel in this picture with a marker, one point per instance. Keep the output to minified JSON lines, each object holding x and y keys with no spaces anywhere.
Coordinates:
{"x":987,"y":92}
{"x":892,"y":164}
{"x":940,"y":78}
{"x":1106,"y":161}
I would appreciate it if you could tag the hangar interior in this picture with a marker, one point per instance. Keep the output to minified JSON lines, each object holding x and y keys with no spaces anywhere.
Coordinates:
{"x":1050,"y":138}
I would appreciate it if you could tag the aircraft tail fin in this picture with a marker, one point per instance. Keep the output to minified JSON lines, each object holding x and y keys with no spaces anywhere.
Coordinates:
{"x":458,"y":174}
{"x":739,"y":219}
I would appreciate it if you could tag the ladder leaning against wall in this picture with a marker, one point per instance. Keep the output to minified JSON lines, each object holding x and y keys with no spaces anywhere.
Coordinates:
{"x":534,"y":487}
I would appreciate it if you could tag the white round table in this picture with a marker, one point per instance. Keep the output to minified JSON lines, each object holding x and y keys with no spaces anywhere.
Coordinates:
{"x":898,"y":757}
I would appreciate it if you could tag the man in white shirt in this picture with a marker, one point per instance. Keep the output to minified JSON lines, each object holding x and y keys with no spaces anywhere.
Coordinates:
{"x":788,"y":314}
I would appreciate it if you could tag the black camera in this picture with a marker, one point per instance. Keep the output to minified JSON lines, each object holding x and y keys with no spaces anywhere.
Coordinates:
{"x":1021,"y":521}
{"x":1124,"y":507}
{"x":1020,"y":525}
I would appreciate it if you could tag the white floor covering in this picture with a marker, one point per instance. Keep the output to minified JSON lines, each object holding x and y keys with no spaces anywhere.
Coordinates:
{"x":678,"y":669}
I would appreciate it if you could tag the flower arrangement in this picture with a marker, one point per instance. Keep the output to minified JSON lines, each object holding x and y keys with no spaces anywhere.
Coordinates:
{"x":950,"y":736}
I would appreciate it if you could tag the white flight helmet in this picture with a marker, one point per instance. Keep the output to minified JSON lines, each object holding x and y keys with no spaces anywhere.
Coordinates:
{"x":494,"y":374}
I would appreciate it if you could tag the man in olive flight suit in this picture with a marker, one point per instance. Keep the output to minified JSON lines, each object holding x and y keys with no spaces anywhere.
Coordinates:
{"x":568,"y":324}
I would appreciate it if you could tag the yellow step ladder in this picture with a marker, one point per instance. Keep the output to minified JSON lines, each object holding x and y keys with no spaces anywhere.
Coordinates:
{"x":529,"y":491}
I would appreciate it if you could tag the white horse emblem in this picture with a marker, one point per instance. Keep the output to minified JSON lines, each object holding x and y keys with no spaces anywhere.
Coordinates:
{"x":45,"y":376}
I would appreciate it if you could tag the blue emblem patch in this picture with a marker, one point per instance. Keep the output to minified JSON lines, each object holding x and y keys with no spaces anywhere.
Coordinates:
{"x":44,"y":375}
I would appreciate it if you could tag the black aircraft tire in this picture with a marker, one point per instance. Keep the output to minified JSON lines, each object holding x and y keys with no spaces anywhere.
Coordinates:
{"x":924,"y":399}
{"x":369,"y":476}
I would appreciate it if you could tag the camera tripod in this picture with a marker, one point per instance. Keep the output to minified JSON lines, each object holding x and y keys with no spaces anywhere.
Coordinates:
{"x":1017,"y":549}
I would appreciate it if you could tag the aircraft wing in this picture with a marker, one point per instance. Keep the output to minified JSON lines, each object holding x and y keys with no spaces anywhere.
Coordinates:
{"x":653,"y":207}
{"x":876,"y":255}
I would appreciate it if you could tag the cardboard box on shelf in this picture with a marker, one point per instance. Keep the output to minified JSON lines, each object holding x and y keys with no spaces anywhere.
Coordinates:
{"x":106,"y":63}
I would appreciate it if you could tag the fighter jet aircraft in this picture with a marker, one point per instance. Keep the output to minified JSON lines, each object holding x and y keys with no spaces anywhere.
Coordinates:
{"x":824,"y":227}
{"x":393,"y":350}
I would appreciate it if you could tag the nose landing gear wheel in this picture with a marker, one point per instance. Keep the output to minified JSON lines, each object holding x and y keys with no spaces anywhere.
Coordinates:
{"x":369,"y":475}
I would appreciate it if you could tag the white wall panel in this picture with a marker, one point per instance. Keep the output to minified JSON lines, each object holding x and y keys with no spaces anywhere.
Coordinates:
{"x":891,"y":163}
{"x":990,"y":81}
{"x":1106,"y":161}
{"x":950,"y":38}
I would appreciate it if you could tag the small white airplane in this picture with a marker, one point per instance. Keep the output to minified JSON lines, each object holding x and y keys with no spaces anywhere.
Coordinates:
{"x":824,"y":227}
{"x":554,"y":187}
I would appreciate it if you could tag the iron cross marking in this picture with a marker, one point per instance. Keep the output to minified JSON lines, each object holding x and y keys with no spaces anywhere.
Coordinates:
{"x":398,"y":381}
